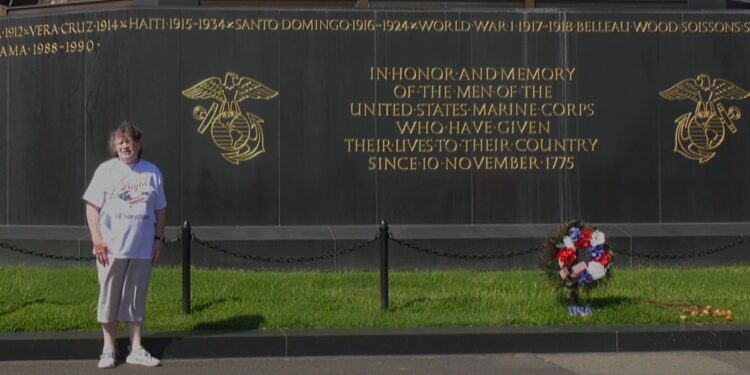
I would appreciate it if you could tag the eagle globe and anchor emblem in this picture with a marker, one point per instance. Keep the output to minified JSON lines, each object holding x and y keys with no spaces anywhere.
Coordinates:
{"x":239,"y":134}
{"x":700,"y":133}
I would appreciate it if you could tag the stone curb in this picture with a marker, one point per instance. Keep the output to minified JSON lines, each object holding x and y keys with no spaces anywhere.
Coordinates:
{"x":329,"y":342}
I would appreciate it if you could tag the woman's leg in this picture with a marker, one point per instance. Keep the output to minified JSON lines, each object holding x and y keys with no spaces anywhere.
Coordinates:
{"x":110,"y":332}
{"x":135,"y":331}
{"x":134,"y":311}
{"x":111,"y":279}
{"x":133,"y":307}
{"x":138,"y":355}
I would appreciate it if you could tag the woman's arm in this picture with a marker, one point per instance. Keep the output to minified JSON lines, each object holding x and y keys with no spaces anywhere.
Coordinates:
{"x":161,"y":223}
{"x":100,"y":248}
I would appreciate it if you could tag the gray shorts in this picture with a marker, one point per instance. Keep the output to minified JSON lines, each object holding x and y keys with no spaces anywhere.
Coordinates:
{"x":123,"y":287}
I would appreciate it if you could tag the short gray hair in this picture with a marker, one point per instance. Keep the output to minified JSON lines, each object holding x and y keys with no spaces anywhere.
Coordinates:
{"x":126,"y":129}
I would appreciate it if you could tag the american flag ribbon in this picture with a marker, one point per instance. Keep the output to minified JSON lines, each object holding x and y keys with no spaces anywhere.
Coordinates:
{"x":564,"y":273}
{"x":579,"y":310}
{"x":578,"y":268}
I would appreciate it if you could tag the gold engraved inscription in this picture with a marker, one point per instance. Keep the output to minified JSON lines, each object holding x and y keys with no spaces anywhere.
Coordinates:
{"x":32,"y":34}
{"x":489,"y":118}
{"x":488,"y":73}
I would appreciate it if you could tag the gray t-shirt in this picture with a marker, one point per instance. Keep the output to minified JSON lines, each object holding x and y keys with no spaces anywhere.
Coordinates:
{"x":127,"y":197}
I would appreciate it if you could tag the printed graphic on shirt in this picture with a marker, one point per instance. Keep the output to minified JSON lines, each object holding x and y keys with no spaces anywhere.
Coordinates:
{"x":134,"y":192}
{"x":131,"y":216}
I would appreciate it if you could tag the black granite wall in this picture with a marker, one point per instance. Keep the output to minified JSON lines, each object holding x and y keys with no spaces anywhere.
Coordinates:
{"x":66,"y":80}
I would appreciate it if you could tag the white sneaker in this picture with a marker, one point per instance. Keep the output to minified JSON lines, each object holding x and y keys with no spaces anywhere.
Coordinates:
{"x":107,"y":359}
{"x":143,"y":358}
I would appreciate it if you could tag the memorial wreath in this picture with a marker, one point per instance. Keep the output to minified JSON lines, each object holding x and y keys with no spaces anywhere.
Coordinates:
{"x":578,"y":258}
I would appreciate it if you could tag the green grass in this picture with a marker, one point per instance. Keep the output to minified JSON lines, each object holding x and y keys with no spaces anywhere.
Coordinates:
{"x":33,"y":299}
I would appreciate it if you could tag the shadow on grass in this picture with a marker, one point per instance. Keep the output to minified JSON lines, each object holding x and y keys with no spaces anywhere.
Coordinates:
{"x":243,"y":322}
{"x":23,"y":306}
{"x":409,"y":304}
{"x":610,"y":302}
{"x":203,"y":306}
{"x":600,"y":303}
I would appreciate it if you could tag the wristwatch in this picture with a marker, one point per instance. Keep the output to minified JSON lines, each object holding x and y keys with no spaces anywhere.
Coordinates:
{"x":160,"y":238}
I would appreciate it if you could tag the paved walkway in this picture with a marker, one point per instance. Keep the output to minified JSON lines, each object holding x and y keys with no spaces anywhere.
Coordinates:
{"x":683,"y":363}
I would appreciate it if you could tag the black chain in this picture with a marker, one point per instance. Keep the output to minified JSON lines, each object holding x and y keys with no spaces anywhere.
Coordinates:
{"x":694,"y":254}
{"x":43,"y":255}
{"x":349,"y":249}
{"x":173,"y":241}
{"x":741,"y":240}
{"x":66,"y":257}
{"x":467,"y":256}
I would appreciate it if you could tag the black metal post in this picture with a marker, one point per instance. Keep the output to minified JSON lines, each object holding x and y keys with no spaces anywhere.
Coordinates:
{"x":186,"y":237}
{"x":383,"y":265}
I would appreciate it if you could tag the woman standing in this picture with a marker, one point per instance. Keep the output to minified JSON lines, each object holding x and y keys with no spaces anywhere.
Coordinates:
{"x":125,"y":209}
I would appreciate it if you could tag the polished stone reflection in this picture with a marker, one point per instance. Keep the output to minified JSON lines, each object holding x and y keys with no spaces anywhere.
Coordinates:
{"x":315,"y":117}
